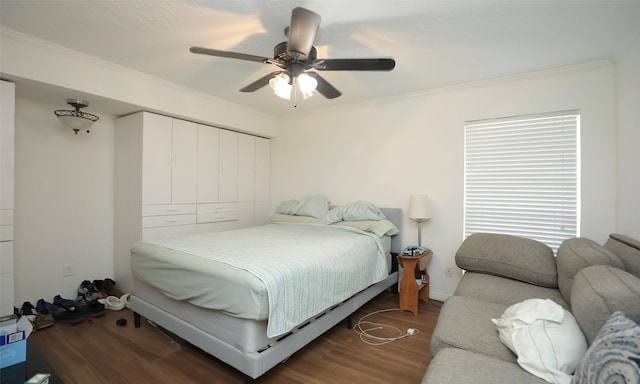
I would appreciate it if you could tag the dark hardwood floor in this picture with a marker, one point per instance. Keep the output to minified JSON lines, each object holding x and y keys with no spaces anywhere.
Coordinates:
{"x":99,"y":351}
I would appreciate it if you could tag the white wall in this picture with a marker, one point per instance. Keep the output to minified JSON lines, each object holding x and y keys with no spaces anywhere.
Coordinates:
{"x":63,"y":203}
{"x":629,"y":141}
{"x":383,"y":152}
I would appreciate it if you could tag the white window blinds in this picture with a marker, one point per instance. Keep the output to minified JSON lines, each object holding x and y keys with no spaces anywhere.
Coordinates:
{"x":521,"y":177}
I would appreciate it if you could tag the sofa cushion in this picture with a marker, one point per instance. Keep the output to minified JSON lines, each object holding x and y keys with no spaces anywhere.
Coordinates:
{"x":614,"y":356}
{"x":577,"y":253}
{"x":466,"y":324}
{"x":453,"y":365}
{"x":510,"y":256}
{"x":627,"y":249}
{"x":502,"y":290}
{"x":545,"y":337}
{"x":600,"y":290}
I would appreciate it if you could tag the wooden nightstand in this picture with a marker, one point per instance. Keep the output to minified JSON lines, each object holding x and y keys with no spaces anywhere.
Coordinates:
{"x":410,"y":290}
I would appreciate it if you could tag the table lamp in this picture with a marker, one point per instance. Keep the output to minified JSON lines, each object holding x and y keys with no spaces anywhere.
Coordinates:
{"x":419,"y":211}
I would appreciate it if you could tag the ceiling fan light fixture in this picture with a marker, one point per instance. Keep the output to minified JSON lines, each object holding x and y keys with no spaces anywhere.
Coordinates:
{"x":306,"y":84}
{"x":281,"y":85}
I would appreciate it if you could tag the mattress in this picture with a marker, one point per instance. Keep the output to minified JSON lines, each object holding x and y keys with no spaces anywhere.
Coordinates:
{"x":223,"y":270}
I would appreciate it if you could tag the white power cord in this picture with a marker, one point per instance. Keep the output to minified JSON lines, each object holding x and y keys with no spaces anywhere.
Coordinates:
{"x":370,"y":339}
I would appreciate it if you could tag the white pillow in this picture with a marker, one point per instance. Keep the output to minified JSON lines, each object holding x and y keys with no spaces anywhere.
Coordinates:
{"x":545,"y":337}
{"x":379,"y":227}
{"x":355,"y":211}
{"x":282,"y":218}
{"x":287,"y":207}
{"x":315,"y":206}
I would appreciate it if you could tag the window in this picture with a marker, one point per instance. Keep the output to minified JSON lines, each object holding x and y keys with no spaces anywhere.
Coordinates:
{"x":521,"y":177}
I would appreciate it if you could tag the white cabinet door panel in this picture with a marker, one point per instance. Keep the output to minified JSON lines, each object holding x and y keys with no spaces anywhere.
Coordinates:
{"x":7,"y":151}
{"x":228,"y":187}
{"x":208,"y":167}
{"x":156,"y":158}
{"x":263,"y":166}
{"x":184,"y":158}
{"x":246,"y":167}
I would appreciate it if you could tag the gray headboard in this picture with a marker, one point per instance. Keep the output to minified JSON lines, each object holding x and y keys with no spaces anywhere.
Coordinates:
{"x":394,"y":215}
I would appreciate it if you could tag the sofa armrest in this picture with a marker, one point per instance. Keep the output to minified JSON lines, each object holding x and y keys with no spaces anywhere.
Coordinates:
{"x":509,"y":256}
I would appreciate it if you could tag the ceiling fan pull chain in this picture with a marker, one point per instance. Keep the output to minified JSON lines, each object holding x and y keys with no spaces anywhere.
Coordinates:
{"x":295,"y":91}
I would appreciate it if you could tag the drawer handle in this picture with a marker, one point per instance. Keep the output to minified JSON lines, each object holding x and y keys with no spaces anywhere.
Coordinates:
{"x":172,"y":221}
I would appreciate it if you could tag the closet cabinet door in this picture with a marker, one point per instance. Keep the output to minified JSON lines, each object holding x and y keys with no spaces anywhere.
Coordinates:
{"x":262,"y":191}
{"x":184,"y":158}
{"x":228,"y":177}
{"x":156,"y":159}
{"x":246,"y":167}
{"x":263,"y":165}
{"x":208,"y":165}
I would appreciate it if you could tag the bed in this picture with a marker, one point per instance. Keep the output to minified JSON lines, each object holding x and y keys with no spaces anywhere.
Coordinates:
{"x":254,"y":315}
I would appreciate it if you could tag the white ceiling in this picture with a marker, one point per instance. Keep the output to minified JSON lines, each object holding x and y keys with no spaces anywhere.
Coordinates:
{"x":435,"y":43}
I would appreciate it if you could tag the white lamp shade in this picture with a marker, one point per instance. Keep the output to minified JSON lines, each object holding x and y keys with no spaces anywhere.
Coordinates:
{"x":419,"y":208}
{"x":306,"y":84}
{"x":76,"y":123}
{"x":281,"y":86}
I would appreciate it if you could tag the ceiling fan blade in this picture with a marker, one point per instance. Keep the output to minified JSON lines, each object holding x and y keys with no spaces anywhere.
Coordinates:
{"x":231,"y":55}
{"x":261,"y":82}
{"x":355,"y":64}
{"x":324,"y":88}
{"x":302,"y":32}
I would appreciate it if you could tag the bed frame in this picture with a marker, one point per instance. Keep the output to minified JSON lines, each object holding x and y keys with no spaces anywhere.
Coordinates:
{"x":255,"y":364}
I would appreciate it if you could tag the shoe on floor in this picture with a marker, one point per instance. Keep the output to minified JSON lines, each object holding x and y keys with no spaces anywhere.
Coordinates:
{"x":47,"y":308}
{"x":43,"y":321}
{"x":107,"y":287}
{"x":71,"y":315}
{"x":88,"y":291}
{"x":64,"y":303}
{"x":113,"y":303}
{"x":28,"y":310}
{"x":94,"y":308}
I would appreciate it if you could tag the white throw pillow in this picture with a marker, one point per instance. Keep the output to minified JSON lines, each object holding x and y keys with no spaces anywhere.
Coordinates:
{"x":545,"y":337}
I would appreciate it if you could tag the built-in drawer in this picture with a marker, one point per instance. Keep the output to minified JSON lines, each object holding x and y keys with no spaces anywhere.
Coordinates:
{"x":168,"y":209}
{"x":211,"y":213}
{"x":6,"y":216}
{"x":167,"y":221}
{"x":6,"y":232}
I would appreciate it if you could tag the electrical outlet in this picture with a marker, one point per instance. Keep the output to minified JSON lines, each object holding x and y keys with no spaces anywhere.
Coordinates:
{"x":67,"y":270}
{"x":448,"y":272}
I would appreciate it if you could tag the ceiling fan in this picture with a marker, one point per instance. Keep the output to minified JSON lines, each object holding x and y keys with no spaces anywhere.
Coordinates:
{"x":297,"y":55}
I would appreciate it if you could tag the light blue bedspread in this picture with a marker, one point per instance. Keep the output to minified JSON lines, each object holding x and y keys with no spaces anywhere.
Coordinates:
{"x":306,"y":268}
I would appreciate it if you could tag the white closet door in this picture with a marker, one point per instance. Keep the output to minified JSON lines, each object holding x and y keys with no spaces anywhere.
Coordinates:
{"x":184,"y":158}
{"x":156,"y":159}
{"x":7,"y":132}
{"x":228,"y":179}
{"x":246,"y":167}
{"x":263,"y":165}
{"x":208,"y":167}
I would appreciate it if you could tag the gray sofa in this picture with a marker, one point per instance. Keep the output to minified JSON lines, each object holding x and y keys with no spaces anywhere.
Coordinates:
{"x":589,"y":280}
